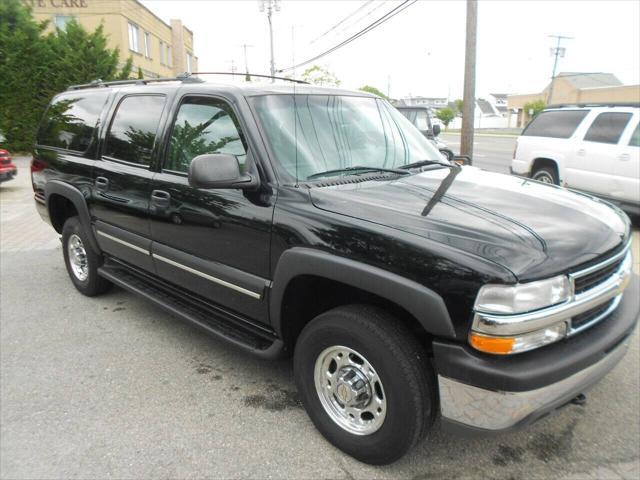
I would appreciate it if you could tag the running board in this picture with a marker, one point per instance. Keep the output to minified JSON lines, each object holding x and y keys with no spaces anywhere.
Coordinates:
{"x":245,"y":336}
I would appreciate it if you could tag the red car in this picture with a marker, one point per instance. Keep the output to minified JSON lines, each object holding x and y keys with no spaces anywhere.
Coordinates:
{"x":7,"y":169}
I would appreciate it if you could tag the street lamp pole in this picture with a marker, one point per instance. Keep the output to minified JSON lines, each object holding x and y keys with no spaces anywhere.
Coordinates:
{"x":270,"y":6}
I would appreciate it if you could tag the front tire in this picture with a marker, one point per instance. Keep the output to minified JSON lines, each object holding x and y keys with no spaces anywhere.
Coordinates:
{"x":366,"y":382}
{"x":81,"y":261}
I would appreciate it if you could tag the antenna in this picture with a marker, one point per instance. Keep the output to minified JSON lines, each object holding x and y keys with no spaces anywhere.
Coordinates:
{"x":295,"y":128}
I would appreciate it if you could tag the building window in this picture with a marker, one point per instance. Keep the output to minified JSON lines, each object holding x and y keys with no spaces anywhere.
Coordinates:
{"x":163,"y":60}
{"x":147,"y":44}
{"x":189,"y":63}
{"x":169,"y":58}
{"x":134,"y":44}
{"x":61,"y":21}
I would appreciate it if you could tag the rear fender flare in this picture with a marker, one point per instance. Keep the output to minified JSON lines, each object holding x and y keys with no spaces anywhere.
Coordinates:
{"x":79,"y":201}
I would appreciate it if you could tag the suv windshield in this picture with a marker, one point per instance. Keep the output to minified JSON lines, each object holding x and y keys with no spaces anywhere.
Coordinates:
{"x":335,"y":132}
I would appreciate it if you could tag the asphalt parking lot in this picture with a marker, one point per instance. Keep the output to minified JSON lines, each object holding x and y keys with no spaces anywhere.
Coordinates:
{"x":113,"y":387}
{"x":490,"y":152}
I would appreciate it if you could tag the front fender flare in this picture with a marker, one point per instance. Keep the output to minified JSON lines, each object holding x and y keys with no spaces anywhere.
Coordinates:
{"x":423,"y":303}
{"x":78,"y":200}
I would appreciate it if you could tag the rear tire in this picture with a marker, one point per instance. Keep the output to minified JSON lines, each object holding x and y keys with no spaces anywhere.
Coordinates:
{"x":383,"y":371}
{"x":81,"y":261}
{"x":546,"y":175}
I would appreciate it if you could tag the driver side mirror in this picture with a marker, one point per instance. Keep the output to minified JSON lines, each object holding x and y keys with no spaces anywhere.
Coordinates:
{"x":219,"y":170}
{"x":436,"y":130}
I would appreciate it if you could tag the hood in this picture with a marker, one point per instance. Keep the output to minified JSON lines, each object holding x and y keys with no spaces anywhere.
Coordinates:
{"x":532,"y":229}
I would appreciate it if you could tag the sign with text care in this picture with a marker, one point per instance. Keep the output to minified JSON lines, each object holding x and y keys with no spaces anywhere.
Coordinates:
{"x":56,"y":3}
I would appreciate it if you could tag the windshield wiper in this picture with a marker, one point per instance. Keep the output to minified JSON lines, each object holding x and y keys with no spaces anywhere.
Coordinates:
{"x":357,"y":168}
{"x":422,"y":163}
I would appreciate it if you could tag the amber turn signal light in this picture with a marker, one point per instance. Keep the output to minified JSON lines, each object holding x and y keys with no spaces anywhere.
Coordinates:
{"x":496,"y":345}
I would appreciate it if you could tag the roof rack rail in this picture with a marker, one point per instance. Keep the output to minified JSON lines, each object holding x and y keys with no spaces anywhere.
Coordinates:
{"x":183,"y":77}
{"x":595,"y":104}
{"x":295,"y":80}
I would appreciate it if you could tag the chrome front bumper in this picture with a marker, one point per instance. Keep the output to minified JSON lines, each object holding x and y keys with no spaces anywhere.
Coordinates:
{"x":468,"y":406}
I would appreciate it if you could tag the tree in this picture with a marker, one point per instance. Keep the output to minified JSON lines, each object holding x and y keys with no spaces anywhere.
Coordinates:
{"x":535,"y":107}
{"x":374,"y":90}
{"x":445,"y":115}
{"x":34,"y":66}
{"x":25,"y":61}
{"x":320,"y":76}
{"x":459,"y":104}
{"x":140,"y":74}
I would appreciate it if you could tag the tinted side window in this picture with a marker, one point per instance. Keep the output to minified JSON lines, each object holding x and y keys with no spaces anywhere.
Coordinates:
{"x":634,"y":141}
{"x":607,"y":127}
{"x":555,"y":124}
{"x":422,"y":121}
{"x":70,"y":121}
{"x":133,"y":129}
{"x":204,"y":125}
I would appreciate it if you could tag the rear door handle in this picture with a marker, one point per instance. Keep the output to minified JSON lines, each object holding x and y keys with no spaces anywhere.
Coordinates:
{"x":624,"y":157}
{"x":102,"y":184}
{"x":160,"y":199}
{"x":582,"y":152}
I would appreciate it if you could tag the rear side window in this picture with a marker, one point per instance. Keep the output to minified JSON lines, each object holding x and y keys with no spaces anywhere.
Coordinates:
{"x":70,"y":121}
{"x":607,"y":127}
{"x":555,"y":123}
{"x":133,"y":129}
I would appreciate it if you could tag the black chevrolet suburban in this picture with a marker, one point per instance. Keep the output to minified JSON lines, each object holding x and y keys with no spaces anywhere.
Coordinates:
{"x":320,"y":223}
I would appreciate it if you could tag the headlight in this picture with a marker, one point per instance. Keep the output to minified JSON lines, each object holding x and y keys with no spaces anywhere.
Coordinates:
{"x":501,"y":329}
{"x":523,"y":297}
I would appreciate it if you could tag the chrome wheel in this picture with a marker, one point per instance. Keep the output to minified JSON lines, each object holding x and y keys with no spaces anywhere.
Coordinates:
{"x":77,"y":257}
{"x":350,"y":390}
{"x":543,"y":177}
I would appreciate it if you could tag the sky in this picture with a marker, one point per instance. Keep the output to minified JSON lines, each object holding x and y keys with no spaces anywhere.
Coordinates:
{"x":419,"y":51}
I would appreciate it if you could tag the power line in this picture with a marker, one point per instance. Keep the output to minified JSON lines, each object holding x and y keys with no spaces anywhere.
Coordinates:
{"x":392,"y":13}
{"x":362,"y":17}
{"x":342,"y":21}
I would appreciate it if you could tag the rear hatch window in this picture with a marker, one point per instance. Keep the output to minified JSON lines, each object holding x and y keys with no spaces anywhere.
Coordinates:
{"x":70,"y":120}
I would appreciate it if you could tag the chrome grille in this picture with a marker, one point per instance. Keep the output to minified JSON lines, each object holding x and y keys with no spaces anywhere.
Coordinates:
{"x":594,"y":315}
{"x":590,"y":280}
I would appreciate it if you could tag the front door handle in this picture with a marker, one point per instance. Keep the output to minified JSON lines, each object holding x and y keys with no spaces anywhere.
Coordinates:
{"x":582,"y":152}
{"x":160,"y":199}
{"x":624,"y":157}
{"x":102,"y":184}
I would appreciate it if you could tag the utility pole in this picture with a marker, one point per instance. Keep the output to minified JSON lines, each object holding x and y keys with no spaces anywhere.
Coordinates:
{"x":557,"y":52}
{"x":270,"y":6}
{"x":468,"y":99}
{"x":246,"y":63}
{"x":293,"y":49}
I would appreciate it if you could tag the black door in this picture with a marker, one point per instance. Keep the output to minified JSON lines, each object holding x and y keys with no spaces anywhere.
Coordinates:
{"x":214,"y":242}
{"x":122,"y":180}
